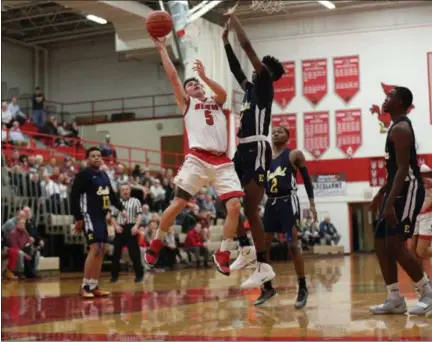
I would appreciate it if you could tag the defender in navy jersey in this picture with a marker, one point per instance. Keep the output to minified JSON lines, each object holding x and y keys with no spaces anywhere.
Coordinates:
{"x":402,"y":198}
{"x":282,"y":209}
{"x":253,"y":154}
{"x":91,"y":200}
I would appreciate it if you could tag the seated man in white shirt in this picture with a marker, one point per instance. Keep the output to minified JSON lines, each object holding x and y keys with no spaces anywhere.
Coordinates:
{"x":16,"y":112}
{"x":15,"y":135}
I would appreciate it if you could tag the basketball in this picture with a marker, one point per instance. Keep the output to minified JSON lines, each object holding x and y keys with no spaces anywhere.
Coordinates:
{"x":159,"y":24}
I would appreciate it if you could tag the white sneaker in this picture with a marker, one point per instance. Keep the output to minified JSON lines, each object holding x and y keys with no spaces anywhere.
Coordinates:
{"x":423,"y":306}
{"x":246,"y":258}
{"x":263,"y":272}
{"x":390,"y":307}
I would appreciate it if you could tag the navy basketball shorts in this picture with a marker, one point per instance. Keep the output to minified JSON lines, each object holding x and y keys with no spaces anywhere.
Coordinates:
{"x":407,"y":208}
{"x":281,"y":215}
{"x":251,"y":162}
{"x":95,"y":229}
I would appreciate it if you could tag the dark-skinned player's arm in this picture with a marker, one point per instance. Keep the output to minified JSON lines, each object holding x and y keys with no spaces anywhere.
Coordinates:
{"x":182,"y":98}
{"x":233,"y":62}
{"x":78,"y":188}
{"x":401,"y":136}
{"x":220,"y":94}
{"x":298,"y":160}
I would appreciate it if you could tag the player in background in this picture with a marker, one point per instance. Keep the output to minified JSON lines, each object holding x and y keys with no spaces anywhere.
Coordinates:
{"x":282,"y":208}
{"x":206,"y":163}
{"x":253,"y":154}
{"x":421,"y":240}
{"x":91,"y":198}
{"x":402,"y":197}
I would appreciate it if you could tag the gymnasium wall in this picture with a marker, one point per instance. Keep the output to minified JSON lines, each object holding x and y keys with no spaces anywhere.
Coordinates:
{"x":141,"y":134}
{"x":92,"y":70}
{"x":392,"y":46}
{"x":17,"y":68}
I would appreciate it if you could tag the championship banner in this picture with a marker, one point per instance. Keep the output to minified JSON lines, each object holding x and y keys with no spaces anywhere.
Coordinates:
{"x":348,"y":130}
{"x":329,"y":185}
{"x":346,"y":77}
{"x":284,"y":88}
{"x":316,"y":133}
{"x":314,"y":79}
{"x":377,"y":171}
{"x":289,"y":121}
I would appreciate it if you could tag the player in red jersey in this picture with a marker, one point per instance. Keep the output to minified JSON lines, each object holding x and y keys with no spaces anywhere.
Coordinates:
{"x":206,"y":162}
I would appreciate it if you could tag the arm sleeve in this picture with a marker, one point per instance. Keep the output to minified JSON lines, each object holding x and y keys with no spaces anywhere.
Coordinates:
{"x":234,"y":64}
{"x":78,"y":188}
{"x":307,"y":182}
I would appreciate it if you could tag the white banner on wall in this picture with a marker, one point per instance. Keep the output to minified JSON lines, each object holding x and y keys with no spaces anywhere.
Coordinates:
{"x":329,"y":185}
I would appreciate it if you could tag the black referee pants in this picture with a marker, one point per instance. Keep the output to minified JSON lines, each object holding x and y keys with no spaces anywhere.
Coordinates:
{"x":126,"y":238}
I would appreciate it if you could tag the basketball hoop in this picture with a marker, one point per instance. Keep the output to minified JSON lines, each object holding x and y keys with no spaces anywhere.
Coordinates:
{"x":269,"y":6}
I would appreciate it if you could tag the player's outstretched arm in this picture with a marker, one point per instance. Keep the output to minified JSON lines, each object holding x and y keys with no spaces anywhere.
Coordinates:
{"x":216,"y":88}
{"x":244,"y":40}
{"x":182,"y":98}
{"x":298,"y":159}
{"x":233,"y":62}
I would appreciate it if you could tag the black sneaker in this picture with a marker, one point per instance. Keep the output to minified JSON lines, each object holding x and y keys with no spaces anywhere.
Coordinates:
{"x":139,"y":278}
{"x":302,"y":297}
{"x":264,"y":296}
{"x":114,"y":279}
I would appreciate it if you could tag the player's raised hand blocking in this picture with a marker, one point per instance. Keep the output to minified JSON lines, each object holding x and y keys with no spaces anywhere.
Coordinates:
{"x":159,"y":43}
{"x":226,"y":32}
{"x":231,"y":11}
{"x":199,"y":68}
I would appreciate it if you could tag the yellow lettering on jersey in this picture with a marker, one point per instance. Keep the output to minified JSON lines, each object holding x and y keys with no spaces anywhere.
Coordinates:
{"x":261,"y":178}
{"x":106,"y":202}
{"x":103,"y":191}
{"x":279,"y":172}
{"x":90,"y":237}
{"x":407,"y":229}
{"x":274,"y":185}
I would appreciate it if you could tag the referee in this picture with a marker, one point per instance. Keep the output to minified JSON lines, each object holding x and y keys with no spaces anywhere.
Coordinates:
{"x":126,"y":234}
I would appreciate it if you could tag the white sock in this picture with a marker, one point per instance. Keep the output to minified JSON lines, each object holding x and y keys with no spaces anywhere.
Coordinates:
{"x":424,"y":286}
{"x":160,"y":234}
{"x":227,"y":245}
{"x":85,"y":282}
{"x":393,"y":291}
{"x":93,"y":283}
{"x":426,"y":276}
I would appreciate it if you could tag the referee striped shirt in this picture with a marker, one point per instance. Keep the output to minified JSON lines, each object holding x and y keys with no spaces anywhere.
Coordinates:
{"x":133,"y":209}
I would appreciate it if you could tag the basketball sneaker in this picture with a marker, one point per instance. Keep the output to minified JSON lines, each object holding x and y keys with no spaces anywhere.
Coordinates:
{"x":152,"y":254}
{"x":263,"y":272}
{"x":222,"y":260}
{"x":246,"y":258}
{"x":390,"y":306}
{"x":86,"y":293}
{"x":265,"y":295}
{"x":302,"y":297}
{"x":97,"y":292}
{"x":423,"y":306}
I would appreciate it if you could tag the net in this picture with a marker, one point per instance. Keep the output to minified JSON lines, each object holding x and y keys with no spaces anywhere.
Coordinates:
{"x":269,"y":6}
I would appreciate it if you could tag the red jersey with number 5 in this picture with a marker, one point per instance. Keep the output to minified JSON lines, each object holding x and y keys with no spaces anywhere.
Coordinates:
{"x":206,"y":125}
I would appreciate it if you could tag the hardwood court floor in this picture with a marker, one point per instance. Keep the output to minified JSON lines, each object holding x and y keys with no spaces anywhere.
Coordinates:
{"x":202,"y":305}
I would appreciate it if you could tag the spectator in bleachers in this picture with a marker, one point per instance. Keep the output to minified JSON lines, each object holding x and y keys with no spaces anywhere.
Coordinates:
{"x":32,"y":229}
{"x":190,"y":217}
{"x":170,"y":250}
{"x":64,"y":131}
{"x":38,"y":162}
{"x":136,"y":172}
{"x":38,"y":108}
{"x":16,"y":112}
{"x":7,"y":117}
{"x":328,"y":232}
{"x":120,"y":177}
{"x":68,"y":167}
{"x":161,"y":175}
{"x":15,"y":135}
{"x":145,"y":219}
{"x":170,"y":175}
{"x":9,"y":257}
{"x":50,"y":128}
{"x":194,"y":244}
{"x":4,"y":133}
{"x":311,"y":233}
{"x":157,"y":193}
{"x":74,"y":129}
{"x":107,"y":149}
{"x":145,"y":177}
{"x":34,"y":184}
{"x":168,"y":186}
{"x":28,"y":260}
{"x":150,"y":232}
{"x":50,"y":167}
{"x":10,"y":224}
